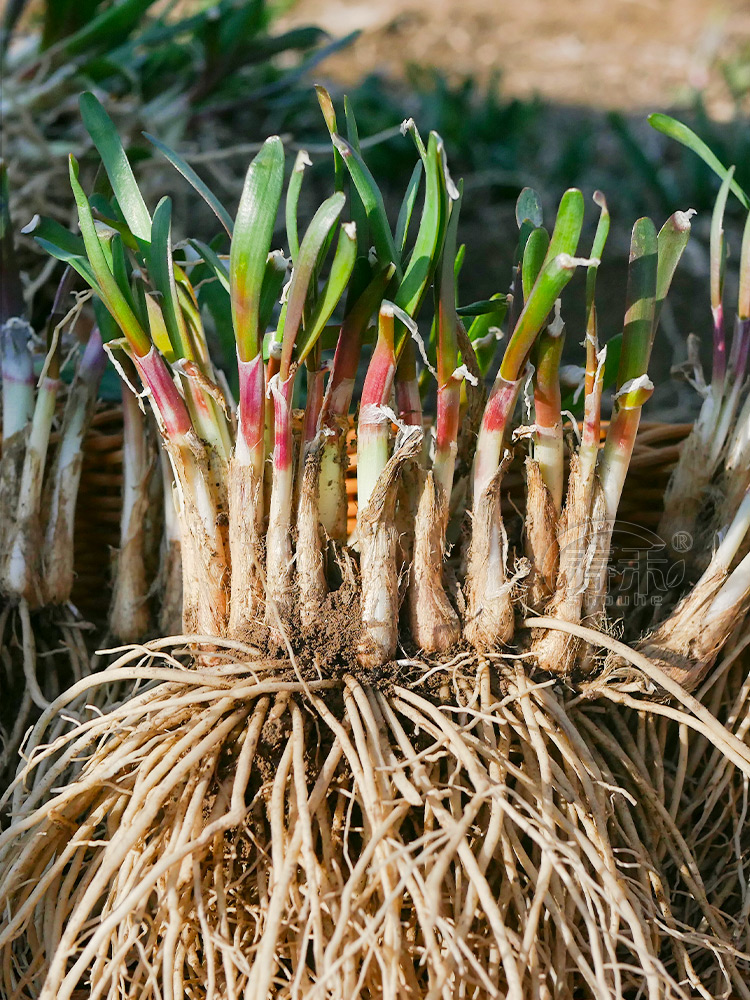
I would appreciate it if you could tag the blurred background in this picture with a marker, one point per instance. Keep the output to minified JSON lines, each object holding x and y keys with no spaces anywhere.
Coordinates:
{"x":540,"y":93}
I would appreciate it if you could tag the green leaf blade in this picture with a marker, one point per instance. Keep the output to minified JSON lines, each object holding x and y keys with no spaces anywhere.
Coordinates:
{"x":681,"y":133}
{"x":251,"y":242}
{"x":313,"y":242}
{"x":640,"y":302}
{"x":106,"y":287}
{"x":102,"y":130}
{"x":161,"y":267}
{"x":341,"y":270}
{"x":372,"y":199}
{"x":432,"y":227}
{"x":534,"y":254}
{"x":194,"y":180}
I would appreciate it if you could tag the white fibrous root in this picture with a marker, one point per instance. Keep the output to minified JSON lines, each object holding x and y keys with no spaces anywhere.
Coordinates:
{"x":226,"y":830}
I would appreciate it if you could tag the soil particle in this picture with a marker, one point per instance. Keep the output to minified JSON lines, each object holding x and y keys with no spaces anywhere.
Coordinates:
{"x":335,"y":633}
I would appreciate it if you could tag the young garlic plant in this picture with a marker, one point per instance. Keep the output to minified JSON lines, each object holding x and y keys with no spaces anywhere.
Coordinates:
{"x":720,"y":432}
{"x":262,"y":499}
{"x":39,"y":481}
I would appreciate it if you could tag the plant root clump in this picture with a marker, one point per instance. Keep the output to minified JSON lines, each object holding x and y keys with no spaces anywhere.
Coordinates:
{"x":42,"y":652}
{"x":229,"y":828}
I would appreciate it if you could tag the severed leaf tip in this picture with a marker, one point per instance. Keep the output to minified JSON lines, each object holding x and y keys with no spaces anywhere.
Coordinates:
{"x":341,"y":145}
{"x":31,"y":226}
{"x":682,"y":220}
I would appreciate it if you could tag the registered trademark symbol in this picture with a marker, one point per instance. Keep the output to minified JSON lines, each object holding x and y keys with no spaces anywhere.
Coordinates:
{"x":682,"y":541}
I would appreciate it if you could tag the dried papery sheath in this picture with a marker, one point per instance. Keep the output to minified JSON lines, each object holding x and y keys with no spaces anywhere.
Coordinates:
{"x":129,"y":617}
{"x":246,"y":499}
{"x":310,"y":562}
{"x":204,"y":557}
{"x":20,"y":562}
{"x":490,"y":613}
{"x":687,"y":643}
{"x":408,"y":403}
{"x":578,"y":548}
{"x":57,"y":554}
{"x":489,"y":617}
{"x":378,"y":545}
{"x":541,"y":526}
{"x":434,"y":622}
{"x":170,"y":554}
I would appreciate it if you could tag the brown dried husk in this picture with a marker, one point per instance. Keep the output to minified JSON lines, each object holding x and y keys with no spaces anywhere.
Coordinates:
{"x":11,"y":465}
{"x":555,"y":651}
{"x":237,"y":830}
{"x":542,"y":547}
{"x":687,"y":643}
{"x":97,"y":514}
{"x":489,"y":588}
{"x":310,"y":562}
{"x":204,"y":559}
{"x":686,"y":491}
{"x":379,"y":558}
{"x":433,"y":621}
{"x":246,"y":604}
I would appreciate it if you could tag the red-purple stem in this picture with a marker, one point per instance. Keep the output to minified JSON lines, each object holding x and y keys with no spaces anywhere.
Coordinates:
{"x":166,"y":397}
{"x":252,"y":410}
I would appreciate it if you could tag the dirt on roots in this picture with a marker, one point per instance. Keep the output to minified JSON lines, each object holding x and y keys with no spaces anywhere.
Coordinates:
{"x":235,"y":829}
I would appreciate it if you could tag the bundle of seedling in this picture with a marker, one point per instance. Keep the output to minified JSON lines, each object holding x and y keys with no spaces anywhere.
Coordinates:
{"x":50,"y":382}
{"x":394,"y":763}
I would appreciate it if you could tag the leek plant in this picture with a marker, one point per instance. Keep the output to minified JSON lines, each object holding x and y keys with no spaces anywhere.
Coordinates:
{"x":348,"y":819}
{"x":39,"y":479}
{"x":261,"y":502}
{"x":719,"y":433}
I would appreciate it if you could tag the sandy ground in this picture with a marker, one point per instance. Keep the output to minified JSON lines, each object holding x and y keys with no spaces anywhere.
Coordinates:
{"x":626,"y":54}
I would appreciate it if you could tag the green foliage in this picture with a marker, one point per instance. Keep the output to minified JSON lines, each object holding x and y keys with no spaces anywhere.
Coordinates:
{"x":215,"y":56}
